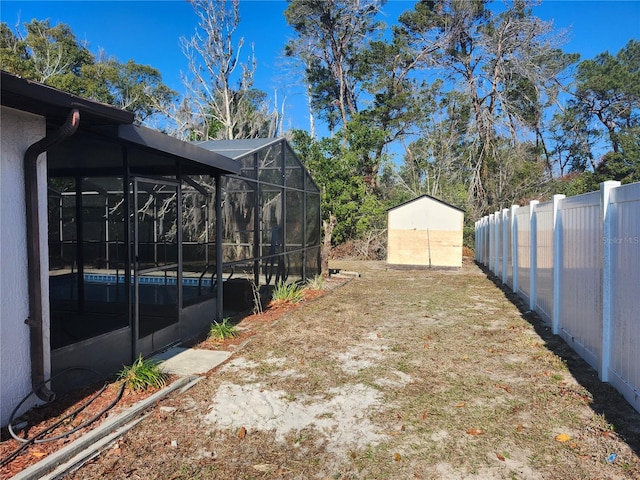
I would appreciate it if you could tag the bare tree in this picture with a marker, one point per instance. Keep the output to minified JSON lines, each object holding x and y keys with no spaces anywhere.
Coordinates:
{"x":220,"y":85}
{"x":510,"y":65}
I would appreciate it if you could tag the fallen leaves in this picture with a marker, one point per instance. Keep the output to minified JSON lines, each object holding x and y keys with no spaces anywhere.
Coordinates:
{"x":500,"y":457}
{"x":397,"y":457}
{"x":563,"y":437}
{"x":475,"y":431}
{"x":242,"y":432}
{"x":504,"y":387}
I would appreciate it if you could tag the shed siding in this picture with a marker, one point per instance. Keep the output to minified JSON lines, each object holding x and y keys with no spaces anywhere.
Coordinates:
{"x":425,"y":213}
{"x":19,"y":130}
{"x":425,"y":232}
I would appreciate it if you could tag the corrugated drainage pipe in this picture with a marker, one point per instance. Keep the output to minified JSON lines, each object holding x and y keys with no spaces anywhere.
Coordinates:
{"x":33,"y":250}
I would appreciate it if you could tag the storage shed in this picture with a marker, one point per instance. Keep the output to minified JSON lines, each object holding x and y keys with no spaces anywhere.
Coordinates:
{"x":425,"y":231}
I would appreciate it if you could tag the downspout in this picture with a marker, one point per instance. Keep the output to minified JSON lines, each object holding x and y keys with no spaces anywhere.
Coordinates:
{"x":33,"y":250}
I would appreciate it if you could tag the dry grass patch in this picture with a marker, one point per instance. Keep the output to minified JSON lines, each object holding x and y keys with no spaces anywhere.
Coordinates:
{"x":399,"y":374}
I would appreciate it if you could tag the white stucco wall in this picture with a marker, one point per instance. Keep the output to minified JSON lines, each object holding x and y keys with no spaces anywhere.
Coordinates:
{"x":425,"y":213}
{"x":18,"y":131}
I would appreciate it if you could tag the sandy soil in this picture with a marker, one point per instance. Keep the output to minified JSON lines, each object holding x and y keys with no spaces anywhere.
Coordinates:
{"x":397,"y":374}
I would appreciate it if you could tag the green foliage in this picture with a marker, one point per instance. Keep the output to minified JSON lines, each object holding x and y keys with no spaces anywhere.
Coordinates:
{"x":287,"y":293}
{"x":575,"y":184}
{"x":144,"y":373}
{"x":623,"y":165}
{"x":336,"y":170}
{"x":52,"y":55}
{"x":330,"y":38}
{"x":222,"y":330}
{"x":477,"y":137}
{"x":606,"y":105}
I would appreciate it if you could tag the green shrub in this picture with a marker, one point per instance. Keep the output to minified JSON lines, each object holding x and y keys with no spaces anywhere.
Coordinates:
{"x":144,"y":373}
{"x":287,"y":293}
{"x":222,"y":330}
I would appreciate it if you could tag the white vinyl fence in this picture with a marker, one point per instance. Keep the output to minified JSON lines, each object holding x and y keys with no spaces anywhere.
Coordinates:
{"x":576,"y":262}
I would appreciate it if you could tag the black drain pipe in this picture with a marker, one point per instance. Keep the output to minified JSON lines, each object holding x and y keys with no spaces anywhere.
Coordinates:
{"x":33,"y":250}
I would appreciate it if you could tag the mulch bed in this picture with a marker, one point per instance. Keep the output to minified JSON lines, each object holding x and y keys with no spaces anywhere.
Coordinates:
{"x":51,"y":419}
{"x":56,"y":424}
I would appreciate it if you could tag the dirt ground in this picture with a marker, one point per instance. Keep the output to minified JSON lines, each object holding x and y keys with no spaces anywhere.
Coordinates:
{"x":399,"y":374}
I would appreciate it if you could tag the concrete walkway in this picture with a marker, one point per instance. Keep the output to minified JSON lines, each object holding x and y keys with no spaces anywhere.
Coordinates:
{"x":187,"y":361}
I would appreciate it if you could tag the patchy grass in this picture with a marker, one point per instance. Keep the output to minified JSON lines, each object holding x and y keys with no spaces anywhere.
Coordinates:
{"x":398,"y":374}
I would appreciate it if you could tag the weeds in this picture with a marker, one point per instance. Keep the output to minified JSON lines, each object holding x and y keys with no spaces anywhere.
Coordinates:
{"x":316,"y":283}
{"x":287,"y":293}
{"x":222,"y":330}
{"x":142,"y":374}
{"x":257,"y":299}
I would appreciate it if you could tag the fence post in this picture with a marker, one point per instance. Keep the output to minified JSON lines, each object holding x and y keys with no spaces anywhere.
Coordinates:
{"x":514,"y":248}
{"x":504,"y":225}
{"x":481,"y":240}
{"x":491,"y":241}
{"x":485,"y":244}
{"x":481,"y":253}
{"x":497,"y":226}
{"x":607,"y":267}
{"x":557,"y":266}
{"x":475,"y":240}
{"x":533,"y":254}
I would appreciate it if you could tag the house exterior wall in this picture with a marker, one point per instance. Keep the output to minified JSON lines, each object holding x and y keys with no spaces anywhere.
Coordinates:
{"x":425,"y":232}
{"x":19,"y":130}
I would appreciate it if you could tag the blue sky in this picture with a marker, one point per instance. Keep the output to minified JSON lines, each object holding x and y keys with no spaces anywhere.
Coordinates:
{"x":148,"y":32}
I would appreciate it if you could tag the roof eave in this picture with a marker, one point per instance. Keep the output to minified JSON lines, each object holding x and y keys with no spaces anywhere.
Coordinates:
{"x":29,"y":96}
{"x":153,"y":139}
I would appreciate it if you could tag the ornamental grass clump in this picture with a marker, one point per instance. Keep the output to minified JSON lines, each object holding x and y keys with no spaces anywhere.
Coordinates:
{"x":222,"y":330}
{"x":144,"y":373}
{"x":316,"y":283}
{"x":287,"y":293}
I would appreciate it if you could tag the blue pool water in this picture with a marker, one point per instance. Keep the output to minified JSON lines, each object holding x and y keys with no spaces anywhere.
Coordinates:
{"x":107,"y":288}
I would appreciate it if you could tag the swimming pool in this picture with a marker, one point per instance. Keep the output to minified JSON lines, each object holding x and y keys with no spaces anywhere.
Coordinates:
{"x":109,"y":288}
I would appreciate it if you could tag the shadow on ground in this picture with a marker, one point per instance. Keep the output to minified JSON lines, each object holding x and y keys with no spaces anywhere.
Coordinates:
{"x":607,"y":401}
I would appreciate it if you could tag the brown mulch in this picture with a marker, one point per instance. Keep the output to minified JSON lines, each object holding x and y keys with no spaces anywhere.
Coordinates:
{"x":48,"y":422}
{"x":15,"y":456}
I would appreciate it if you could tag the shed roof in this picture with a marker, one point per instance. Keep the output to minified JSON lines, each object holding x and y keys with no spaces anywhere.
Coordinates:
{"x":426,"y":196}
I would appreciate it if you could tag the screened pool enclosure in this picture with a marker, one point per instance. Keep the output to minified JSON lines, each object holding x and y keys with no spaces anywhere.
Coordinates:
{"x":147,"y":249}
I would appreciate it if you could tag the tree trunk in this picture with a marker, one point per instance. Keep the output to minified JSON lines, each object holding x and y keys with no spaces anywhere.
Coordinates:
{"x":326,"y":246}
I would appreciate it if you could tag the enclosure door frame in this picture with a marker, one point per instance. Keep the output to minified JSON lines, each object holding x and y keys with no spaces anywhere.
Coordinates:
{"x":171,"y":333}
